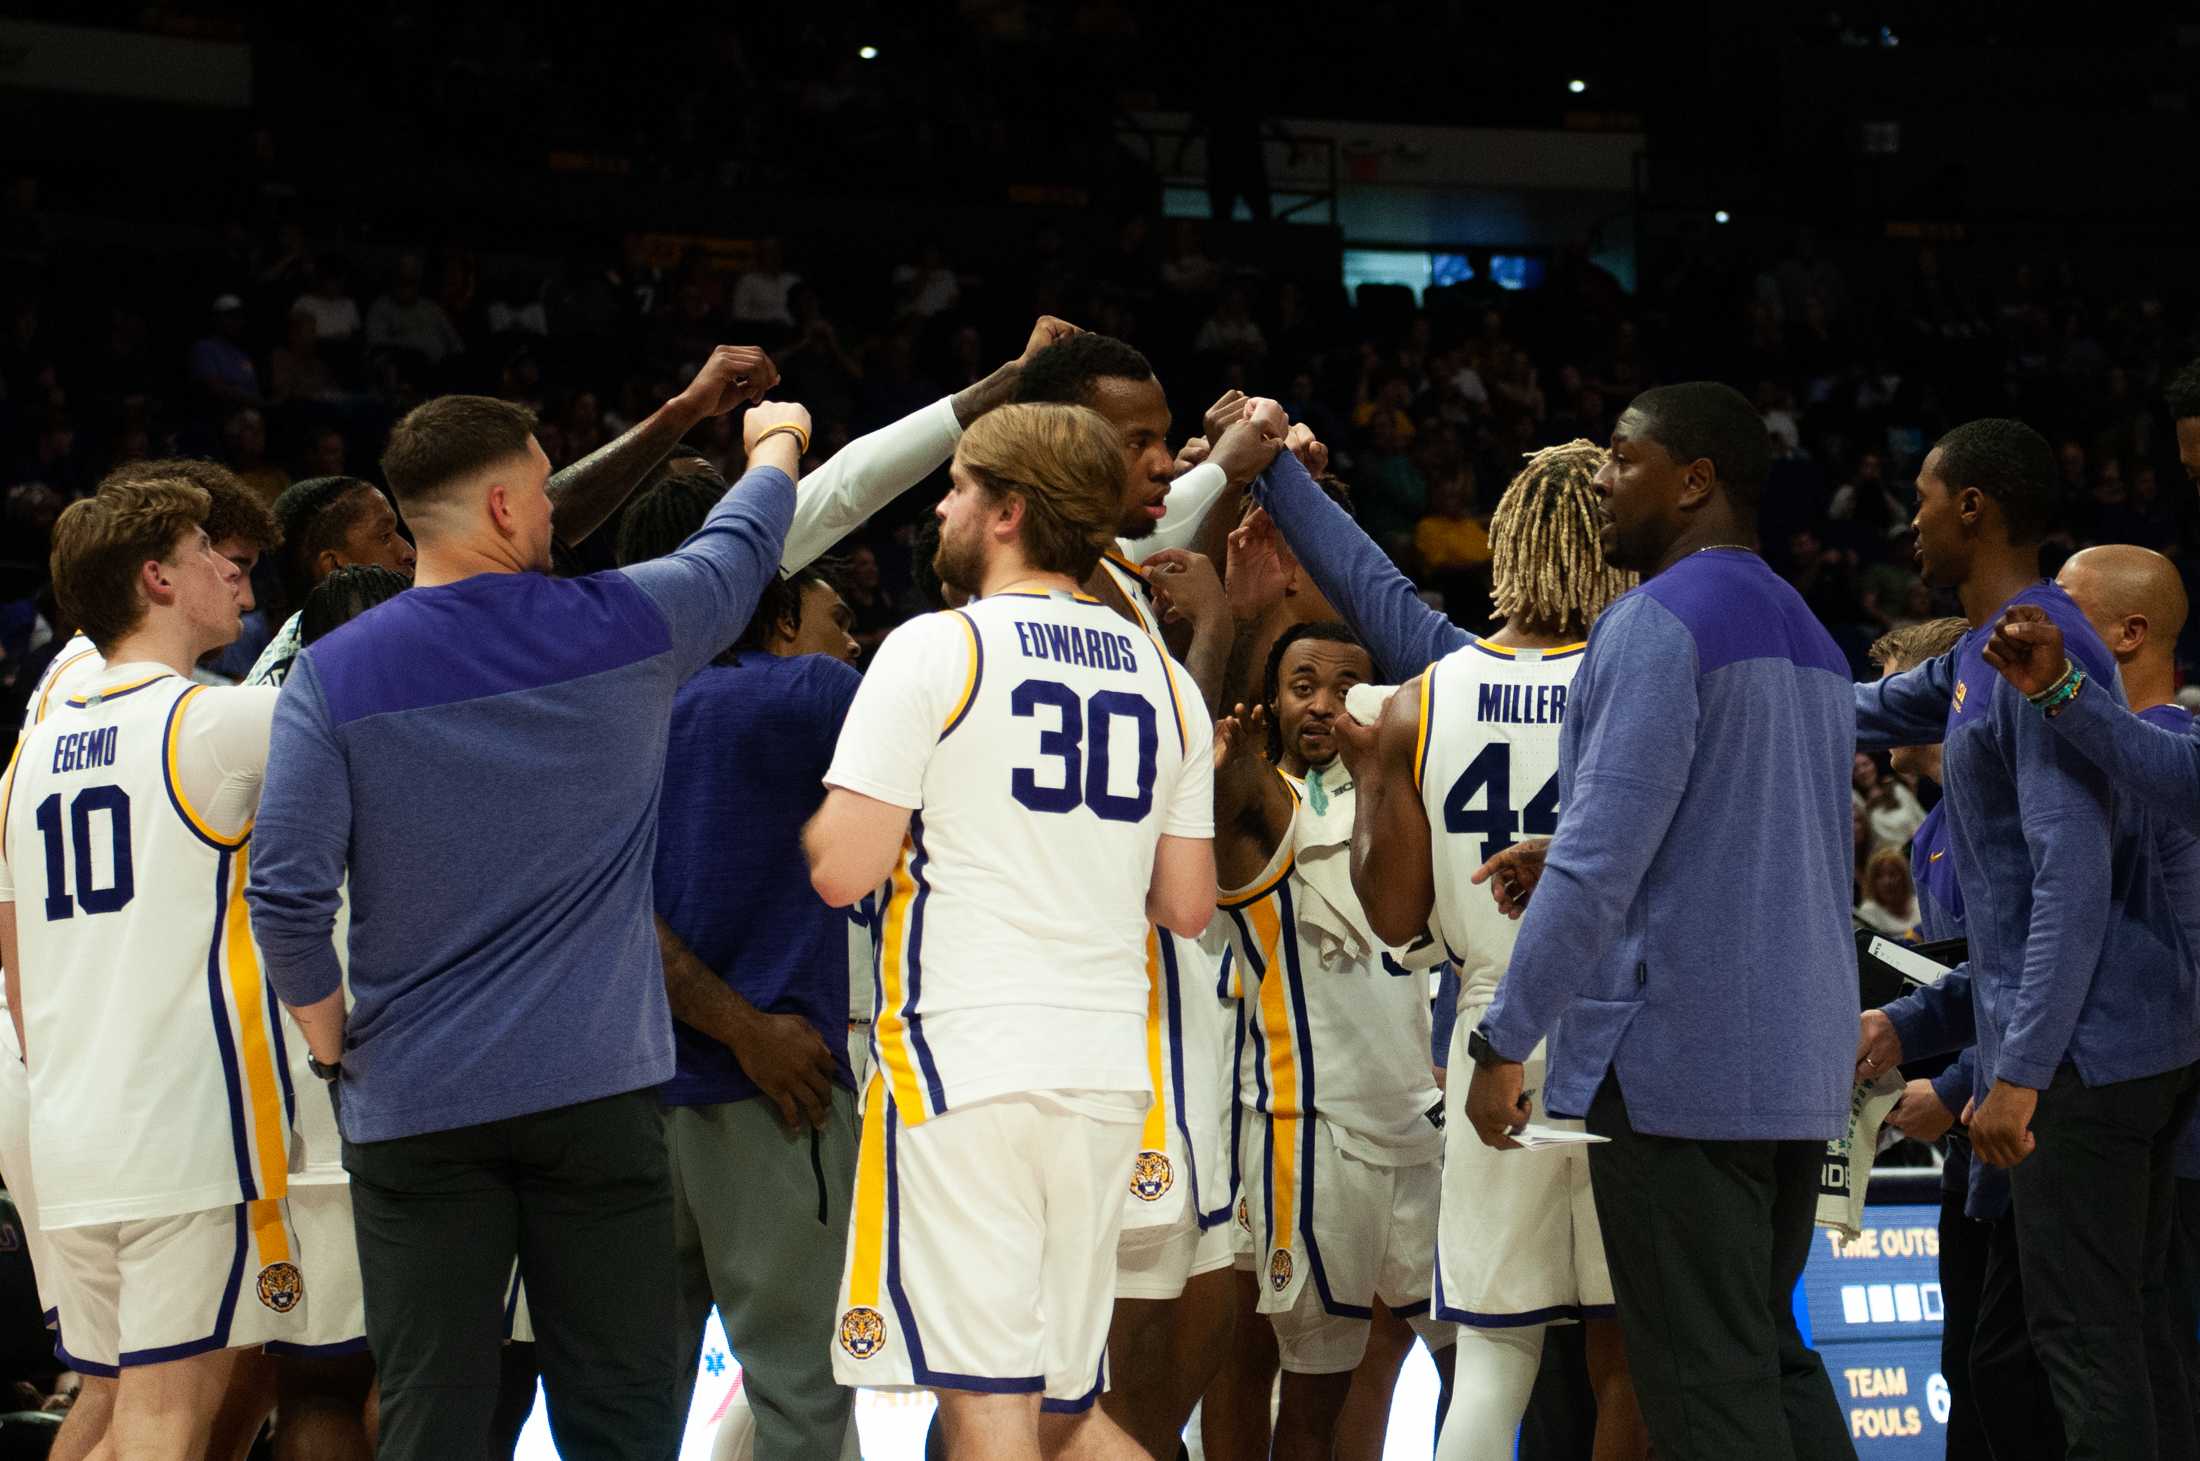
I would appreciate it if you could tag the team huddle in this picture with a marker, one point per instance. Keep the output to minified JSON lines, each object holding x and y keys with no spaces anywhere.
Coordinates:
{"x":1165,"y":846}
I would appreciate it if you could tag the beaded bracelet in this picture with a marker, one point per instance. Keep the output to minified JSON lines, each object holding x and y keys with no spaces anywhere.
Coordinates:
{"x":2052,"y":700}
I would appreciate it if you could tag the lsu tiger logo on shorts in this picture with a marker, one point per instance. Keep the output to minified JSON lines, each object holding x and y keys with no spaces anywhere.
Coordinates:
{"x":281,"y":1286}
{"x":1152,"y":1176}
{"x":862,"y":1333}
{"x":1279,"y":1269}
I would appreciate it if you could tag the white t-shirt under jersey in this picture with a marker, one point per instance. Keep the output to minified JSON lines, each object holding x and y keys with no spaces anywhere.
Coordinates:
{"x":1045,"y":747}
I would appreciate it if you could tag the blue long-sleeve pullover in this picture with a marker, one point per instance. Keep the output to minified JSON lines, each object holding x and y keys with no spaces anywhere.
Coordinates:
{"x":2076,"y":951}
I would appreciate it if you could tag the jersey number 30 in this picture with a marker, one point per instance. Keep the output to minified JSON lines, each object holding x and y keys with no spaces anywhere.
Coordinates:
{"x":1489,"y":776}
{"x":115,"y":802}
{"x":1080,"y":742}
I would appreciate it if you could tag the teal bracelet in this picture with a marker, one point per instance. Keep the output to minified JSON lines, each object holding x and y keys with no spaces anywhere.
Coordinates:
{"x":2067,"y":692}
{"x":2060,"y":683}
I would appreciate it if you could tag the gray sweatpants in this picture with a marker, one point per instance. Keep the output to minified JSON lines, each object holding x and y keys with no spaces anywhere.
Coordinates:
{"x":760,"y":1224}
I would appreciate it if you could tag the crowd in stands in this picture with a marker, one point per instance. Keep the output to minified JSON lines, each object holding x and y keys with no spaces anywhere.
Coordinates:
{"x":287,"y":354}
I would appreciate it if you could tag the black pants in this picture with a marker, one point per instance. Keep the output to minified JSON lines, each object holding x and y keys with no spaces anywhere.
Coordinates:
{"x":580,"y":1195}
{"x":2015,"y":1403}
{"x":2092,"y":1205}
{"x":1706,"y":1241}
{"x":2184,"y":1286}
{"x":1962,"y":1276}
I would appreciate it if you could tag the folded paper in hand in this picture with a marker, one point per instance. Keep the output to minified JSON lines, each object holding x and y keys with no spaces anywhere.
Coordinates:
{"x":1536,"y":1138}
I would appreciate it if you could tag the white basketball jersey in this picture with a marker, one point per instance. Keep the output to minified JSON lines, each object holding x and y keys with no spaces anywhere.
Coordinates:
{"x":73,"y":667}
{"x":1130,"y":581}
{"x":156,"y":1060}
{"x":1184,"y":1041}
{"x":1331,"y":1030}
{"x":1486,"y":763}
{"x":1045,"y":747}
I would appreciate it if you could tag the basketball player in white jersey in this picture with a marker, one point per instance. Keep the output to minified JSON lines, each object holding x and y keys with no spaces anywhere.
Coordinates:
{"x":1341,"y":1147}
{"x":125,"y":830}
{"x":1173,"y":1286}
{"x":240,"y":529}
{"x":1464,"y":763}
{"x":1035,"y":776}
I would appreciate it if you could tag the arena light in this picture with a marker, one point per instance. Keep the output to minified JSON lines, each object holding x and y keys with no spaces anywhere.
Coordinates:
{"x":1722,"y":216}
{"x":868,"y":53}
{"x":1577,"y":86}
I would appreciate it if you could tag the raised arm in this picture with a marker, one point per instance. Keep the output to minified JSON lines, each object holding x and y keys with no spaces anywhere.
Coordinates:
{"x":1404,"y":634}
{"x":584,"y":495}
{"x":1909,"y":709}
{"x":874,"y":469}
{"x":2152,"y":762}
{"x":1253,"y":803}
{"x":1393,"y":859}
{"x":708,"y":588}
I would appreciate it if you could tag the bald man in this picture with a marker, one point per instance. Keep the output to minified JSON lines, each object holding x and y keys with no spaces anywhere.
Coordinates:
{"x":2135,"y":601}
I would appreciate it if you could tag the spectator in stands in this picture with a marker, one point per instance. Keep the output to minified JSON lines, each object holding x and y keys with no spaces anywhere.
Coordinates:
{"x":584,"y":426}
{"x":760,"y":295}
{"x":865,"y":591}
{"x":1452,"y":542}
{"x":1231,"y":330}
{"x":407,"y":321}
{"x":1890,"y":903}
{"x":296,"y":372}
{"x":928,"y":287}
{"x":244,"y":439}
{"x":219,"y":364}
{"x":335,"y":313}
{"x":1889,"y":806}
{"x":325,"y":453}
{"x":1188,"y":271}
{"x":1391,"y":490}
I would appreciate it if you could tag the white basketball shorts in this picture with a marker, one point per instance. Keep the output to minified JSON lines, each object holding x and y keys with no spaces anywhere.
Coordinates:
{"x":983,"y":1247}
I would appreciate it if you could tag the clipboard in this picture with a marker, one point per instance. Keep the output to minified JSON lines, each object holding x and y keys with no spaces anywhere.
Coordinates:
{"x":1888,"y":968}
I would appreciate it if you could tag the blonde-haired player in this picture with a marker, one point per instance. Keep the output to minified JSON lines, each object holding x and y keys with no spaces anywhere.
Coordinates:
{"x":240,"y":528}
{"x":1463,"y":764}
{"x":1034,"y":776}
{"x":159,"y":1111}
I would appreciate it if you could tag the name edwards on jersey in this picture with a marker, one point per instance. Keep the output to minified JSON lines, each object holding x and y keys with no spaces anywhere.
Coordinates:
{"x":1067,"y":644}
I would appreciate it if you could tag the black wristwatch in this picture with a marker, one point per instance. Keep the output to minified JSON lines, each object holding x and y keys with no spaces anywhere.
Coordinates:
{"x":1479,"y":1051}
{"x":325,"y":1072}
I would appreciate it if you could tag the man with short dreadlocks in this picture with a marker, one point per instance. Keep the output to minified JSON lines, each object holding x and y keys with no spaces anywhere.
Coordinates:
{"x":1463,"y":764}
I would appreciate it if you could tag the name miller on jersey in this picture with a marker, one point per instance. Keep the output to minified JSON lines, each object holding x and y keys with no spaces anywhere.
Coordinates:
{"x":1521,"y":704}
{"x":1064,"y":644}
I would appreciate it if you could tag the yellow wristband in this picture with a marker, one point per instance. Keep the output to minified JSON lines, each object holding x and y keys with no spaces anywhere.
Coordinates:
{"x":801,"y":436}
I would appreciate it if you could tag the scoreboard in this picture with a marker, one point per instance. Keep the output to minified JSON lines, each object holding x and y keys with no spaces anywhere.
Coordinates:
{"x":1872,"y":1309}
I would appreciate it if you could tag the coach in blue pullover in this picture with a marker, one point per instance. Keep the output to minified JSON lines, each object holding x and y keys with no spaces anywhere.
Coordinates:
{"x":1710,"y":718}
{"x":2087,"y":1010}
{"x":481,"y":756}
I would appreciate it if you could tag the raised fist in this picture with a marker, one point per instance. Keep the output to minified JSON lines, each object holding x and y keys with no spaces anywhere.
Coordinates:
{"x":764,"y":415}
{"x":733,"y":374}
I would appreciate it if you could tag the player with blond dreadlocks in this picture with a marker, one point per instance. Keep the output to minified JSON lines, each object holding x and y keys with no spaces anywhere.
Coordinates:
{"x":1463,"y":764}
{"x":1548,"y":575}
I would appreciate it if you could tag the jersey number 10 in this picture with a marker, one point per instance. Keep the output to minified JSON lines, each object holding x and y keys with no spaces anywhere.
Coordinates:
{"x":1489,"y":775}
{"x":1080,"y":741}
{"x":115,"y":802}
